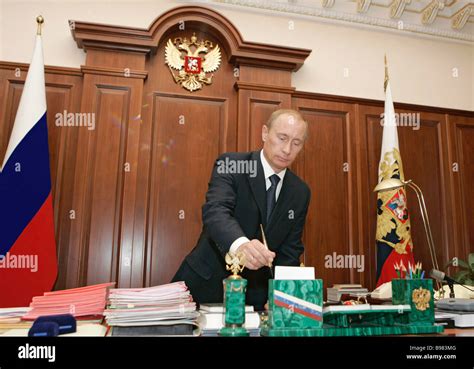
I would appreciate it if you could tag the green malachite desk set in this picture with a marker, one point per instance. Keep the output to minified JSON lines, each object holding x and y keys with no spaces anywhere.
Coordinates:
{"x":296,"y":310}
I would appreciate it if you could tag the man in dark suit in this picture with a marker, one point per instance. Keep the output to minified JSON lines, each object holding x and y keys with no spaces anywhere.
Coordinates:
{"x":246,"y":190}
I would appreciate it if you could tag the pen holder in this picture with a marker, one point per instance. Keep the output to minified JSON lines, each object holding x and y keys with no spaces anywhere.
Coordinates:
{"x":418,"y":293}
{"x":295,"y":303}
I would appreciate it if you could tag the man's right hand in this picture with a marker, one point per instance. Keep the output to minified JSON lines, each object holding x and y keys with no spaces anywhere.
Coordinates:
{"x":256,"y":254}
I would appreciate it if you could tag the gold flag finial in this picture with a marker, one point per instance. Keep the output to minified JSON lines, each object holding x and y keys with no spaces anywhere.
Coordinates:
{"x":40,"y":21}
{"x":385,"y":82}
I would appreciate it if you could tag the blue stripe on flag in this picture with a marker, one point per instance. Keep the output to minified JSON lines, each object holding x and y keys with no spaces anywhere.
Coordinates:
{"x":23,"y":192}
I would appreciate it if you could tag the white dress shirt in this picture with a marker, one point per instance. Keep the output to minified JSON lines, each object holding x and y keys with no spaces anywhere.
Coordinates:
{"x":268,"y":172}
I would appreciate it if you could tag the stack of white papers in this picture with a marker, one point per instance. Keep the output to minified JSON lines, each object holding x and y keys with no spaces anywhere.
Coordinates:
{"x":16,"y":312}
{"x":167,"y":304}
{"x":12,"y":315}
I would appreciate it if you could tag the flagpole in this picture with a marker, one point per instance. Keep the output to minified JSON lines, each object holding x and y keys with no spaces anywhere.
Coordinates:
{"x":40,"y":21}
{"x":385,"y":82}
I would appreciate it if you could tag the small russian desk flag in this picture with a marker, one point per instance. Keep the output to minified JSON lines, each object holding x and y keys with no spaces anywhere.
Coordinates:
{"x":28,"y":263}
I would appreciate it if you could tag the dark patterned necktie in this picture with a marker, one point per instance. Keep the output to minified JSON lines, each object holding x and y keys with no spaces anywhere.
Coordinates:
{"x":271,"y":195}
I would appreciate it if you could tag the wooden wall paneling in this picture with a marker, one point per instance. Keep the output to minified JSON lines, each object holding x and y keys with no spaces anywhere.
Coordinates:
{"x":117,"y":79}
{"x":453,"y":193}
{"x":363,"y":193}
{"x":461,"y":165}
{"x":11,"y":91}
{"x":104,"y":183}
{"x":256,"y":103}
{"x":427,"y":145}
{"x":102,"y":170}
{"x":132,"y":254}
{"x":181,"y":163}
{"x":258,"y":78}
{"x":63,"y":94}
{"x":368,"y":115}
{"x":328,"y":165}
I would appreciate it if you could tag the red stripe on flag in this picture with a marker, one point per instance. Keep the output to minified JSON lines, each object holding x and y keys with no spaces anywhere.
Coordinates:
{"x":19,"y":285}
{"x":307,"y":314}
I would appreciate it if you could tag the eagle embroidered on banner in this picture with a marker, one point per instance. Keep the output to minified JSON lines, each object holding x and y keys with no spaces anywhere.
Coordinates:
{"x":393,"y":222}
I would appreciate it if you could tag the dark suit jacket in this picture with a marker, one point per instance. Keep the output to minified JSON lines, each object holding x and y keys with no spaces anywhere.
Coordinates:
{"x":235,"y":206}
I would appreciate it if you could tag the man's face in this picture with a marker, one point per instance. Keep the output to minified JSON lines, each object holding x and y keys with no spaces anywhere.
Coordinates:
{"x":283,"y":141}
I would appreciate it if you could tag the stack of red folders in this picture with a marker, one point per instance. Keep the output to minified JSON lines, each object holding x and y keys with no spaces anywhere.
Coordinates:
{"x":86,"y":301}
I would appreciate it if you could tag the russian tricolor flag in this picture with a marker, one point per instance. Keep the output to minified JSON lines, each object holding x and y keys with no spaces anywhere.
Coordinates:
{"x":298,"y":306}
{"x":28,"y":264}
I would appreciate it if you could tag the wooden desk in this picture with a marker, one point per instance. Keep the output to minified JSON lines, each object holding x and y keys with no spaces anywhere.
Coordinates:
{"x":459,"y":332}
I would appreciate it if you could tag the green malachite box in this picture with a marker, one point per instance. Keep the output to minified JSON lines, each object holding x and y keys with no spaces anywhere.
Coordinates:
{"x":418,"y":293}
{"x":295,"y":303}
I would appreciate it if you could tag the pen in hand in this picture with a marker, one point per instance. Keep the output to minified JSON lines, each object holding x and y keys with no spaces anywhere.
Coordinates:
{"x":266,"y":246}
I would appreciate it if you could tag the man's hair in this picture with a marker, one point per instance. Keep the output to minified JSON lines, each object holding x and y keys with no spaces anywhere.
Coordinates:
{"x":289,"y":112}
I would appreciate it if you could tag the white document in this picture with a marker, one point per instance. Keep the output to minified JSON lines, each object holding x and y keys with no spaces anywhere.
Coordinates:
{"x":383,"y":292}
{"x":294,"y":273}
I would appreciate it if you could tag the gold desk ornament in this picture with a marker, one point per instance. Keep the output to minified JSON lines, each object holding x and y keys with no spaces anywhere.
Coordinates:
{"x":194,"y":65}
{"x":421,"y":298}
{"x":235,"y":263}
{"x":234,"y":297}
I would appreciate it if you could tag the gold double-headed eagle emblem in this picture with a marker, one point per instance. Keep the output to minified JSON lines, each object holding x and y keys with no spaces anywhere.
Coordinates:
{"x":193,"y":60}
{"x":235,"y":262}
{"x":421,"y":298}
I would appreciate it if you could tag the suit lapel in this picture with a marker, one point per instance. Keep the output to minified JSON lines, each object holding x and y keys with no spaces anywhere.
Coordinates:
{"x":257,"y":184}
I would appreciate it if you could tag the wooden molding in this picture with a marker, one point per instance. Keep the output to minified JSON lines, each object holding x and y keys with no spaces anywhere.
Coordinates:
{"x":115,"y":72}
{"x":261,"y":87}
{"x":130,"y":39}
{"x":47,"y":68}
{"x":398,"y":105}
